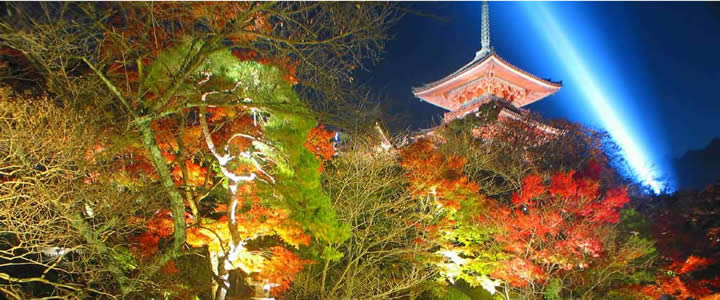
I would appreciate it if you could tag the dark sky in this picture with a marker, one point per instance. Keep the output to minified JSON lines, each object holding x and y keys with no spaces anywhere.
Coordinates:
{"x":657,"y":64}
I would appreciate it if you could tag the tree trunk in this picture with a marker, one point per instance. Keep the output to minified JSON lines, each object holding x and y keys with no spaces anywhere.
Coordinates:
{"x":177,"y":206}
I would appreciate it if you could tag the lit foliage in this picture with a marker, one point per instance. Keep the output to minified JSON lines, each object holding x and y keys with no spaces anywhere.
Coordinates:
{"x":318,"y":142}
{"x":149,"y":67}
{"x":433,"y":174}
{"x":172,"y":24}
{"x":278,"y":264}
{"x":553,"y":227}
{"x":283,"y":202}
{"x":438,"y":179}
{"x":549,"y":227}
{"x":281,"y":269}
{"x":507,"y":130}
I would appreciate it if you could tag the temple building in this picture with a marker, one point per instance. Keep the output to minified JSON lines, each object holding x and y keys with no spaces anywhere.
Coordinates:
{"x":487,"y":78}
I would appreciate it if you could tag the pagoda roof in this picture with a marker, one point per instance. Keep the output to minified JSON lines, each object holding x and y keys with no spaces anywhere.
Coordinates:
{"x":524,"y":87}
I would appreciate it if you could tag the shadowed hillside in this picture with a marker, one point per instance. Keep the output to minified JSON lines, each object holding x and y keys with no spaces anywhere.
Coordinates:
{"x":698,"y":168}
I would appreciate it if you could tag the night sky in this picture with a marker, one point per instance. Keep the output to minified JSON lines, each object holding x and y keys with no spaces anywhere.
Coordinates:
{"x":657,"y":63}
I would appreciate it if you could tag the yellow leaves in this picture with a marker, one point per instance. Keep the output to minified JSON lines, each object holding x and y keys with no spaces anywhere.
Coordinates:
{"x":195,"y":174}
{"x":249,"y":262}
{"x":257,"y":222}
{"x":293,"y":234}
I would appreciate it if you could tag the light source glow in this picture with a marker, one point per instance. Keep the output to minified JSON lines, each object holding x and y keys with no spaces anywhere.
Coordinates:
{"x":596,"y":96}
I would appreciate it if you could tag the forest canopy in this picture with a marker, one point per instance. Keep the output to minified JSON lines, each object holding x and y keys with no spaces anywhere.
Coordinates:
{"x":194,"y":151}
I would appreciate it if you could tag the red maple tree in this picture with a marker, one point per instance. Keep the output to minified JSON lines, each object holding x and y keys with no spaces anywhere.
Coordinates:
{"x":553,"y":226}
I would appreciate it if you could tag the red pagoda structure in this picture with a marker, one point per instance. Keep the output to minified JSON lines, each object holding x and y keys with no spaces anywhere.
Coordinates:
{"x":486,"y":78}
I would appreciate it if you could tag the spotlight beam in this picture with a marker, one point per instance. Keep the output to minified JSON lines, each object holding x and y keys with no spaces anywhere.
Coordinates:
{"x":596,"y":98}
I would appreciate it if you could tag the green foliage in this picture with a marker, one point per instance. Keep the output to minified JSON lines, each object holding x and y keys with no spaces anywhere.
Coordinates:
{"x":632,"y":221}
{"x":477,"y":244}
{"x":636,"y":242}
{"x":123,"y":258}
{"x":629,"y":260}
{"x":331,"y":254}
{"x":286,"y":122}
{"x":639,"y":277}
{"x":553,"y":289}
{"x":299,"y":180}
{"x":169,"y":61}
{"x":450,"y":293}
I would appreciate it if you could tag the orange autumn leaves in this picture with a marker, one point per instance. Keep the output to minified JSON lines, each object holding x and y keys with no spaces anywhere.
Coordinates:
{"x":257,"y":221}
{"x":159,"y":227}
{"x":318,"y":142}
{"x":432,"y":173}
{"x":281,"y":269}
{"x":195,"y":173}
{"x":254,"y":219}
{"x":173,"y":137}
{"x":276,"y":264}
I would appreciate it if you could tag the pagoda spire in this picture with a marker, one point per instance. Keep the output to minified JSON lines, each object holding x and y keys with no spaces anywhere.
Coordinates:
{"x":485,"y":32}
{"x":485,"y":26}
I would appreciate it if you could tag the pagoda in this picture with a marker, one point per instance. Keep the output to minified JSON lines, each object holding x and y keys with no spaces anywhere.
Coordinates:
{"x":486,"y":78}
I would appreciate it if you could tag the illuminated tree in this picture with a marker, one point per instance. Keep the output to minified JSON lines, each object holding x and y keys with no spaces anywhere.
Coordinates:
{"x":62,"y":231}
{"x":198,"y":100}
{"x":459,"y":250}
{"x":383,"y":256}
{"x":512,"y":149}
{"x":553,"y":229}
{"x":257,"y":151}
{"x":520,"y":233}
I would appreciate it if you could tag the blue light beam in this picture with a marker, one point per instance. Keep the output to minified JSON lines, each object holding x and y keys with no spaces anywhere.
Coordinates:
{"x":596,"y":98}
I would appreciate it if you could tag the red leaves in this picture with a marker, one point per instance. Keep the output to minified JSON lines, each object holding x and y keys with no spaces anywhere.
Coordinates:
{"x":318,"y":142}
{"x":281,"y":268}
{"x":682,"y":289}
{"x":519,"y":272}
{"x":435,"y":174}
{"x":532,"y":187}
{"x":553,"y":226}
{"x":563,"y":185}
{"x":580,"y":244}
{"x":159,"y":227}
{"x":694,"y":263}
{"x":608,"y":211}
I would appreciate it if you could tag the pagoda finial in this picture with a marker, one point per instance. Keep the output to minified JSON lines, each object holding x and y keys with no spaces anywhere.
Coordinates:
{"x":485,"y":26}
{"x":485,"y":32}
